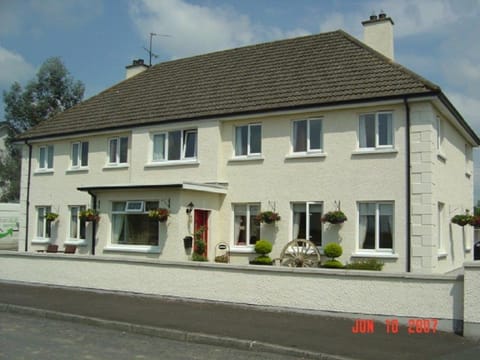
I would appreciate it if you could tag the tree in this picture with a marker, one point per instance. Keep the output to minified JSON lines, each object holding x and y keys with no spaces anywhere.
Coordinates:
{"x":53,"y":90}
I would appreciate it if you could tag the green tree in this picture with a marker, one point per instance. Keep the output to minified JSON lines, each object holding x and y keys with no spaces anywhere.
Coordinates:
{"x":53,"y":90}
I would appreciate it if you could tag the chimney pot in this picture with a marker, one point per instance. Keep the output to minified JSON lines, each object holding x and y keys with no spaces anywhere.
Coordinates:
{"x":382,"y":15}
{"x":373,"y":17}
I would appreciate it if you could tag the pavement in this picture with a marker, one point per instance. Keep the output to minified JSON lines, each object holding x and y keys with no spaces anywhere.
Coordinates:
{"x":295,"y":333}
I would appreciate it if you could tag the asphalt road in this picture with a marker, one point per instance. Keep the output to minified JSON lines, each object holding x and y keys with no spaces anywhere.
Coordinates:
{"x":30,"y":337}
{"x":306,"y":331}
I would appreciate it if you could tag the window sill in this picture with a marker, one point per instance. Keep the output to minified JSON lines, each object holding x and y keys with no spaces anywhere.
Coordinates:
{"x":243,"y":250}
{"x":77,"y":170}
{"x":145,"y":249}
{"x":379,"y":255}
{"x":43,"y":171}
{"x":246,"y":158}
{"x":442,"y":254}
{"x":441,"y":156}
{"x":41,"y":241}
{"x":114,"y":166}
{"x":293,"y":156}
{"x":375,"y":151}
{"x":172,"y":163}
{"x":77,"y":242}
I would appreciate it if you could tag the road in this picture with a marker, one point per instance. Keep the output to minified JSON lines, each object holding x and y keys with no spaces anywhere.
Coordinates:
{"x":30,"y":337}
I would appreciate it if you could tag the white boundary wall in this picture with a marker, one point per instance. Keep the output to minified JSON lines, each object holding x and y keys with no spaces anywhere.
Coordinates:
{"x":341,"y":292}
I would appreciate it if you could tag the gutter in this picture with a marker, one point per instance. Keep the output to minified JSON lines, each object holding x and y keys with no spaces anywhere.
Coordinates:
{"x":408,"y":166}
{"x":94,"y":223}
{"x":27,"y":217}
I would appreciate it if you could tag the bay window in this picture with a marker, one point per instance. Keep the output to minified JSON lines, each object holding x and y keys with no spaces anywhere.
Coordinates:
{"x":131,"y":224}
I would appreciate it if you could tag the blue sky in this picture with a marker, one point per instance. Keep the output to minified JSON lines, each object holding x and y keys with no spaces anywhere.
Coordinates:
{"x":96,"y":39}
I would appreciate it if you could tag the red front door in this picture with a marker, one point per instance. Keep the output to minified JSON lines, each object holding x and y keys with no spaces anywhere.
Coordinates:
{"x":201,"y":222}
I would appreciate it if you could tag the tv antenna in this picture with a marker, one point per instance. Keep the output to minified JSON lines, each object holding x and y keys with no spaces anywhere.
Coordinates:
{"x":150,"y":53}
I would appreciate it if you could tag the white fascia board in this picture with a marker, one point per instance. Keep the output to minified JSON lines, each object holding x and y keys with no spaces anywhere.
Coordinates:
{"x":216,"y":189}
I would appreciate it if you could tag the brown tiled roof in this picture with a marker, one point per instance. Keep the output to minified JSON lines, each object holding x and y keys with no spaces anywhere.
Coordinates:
{"x":307,"y":71}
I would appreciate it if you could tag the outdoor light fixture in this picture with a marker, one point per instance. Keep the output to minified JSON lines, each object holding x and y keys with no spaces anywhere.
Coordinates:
{"x":190,"y":207}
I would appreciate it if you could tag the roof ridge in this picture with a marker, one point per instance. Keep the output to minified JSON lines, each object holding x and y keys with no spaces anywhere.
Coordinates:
{"x":430,"y":85}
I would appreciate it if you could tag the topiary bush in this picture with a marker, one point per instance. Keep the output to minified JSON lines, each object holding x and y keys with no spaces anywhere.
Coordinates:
{"x":262,"y":260}
{"x":263,"y":247}
{"x":333,"y":264}
{"x":333,"y":250}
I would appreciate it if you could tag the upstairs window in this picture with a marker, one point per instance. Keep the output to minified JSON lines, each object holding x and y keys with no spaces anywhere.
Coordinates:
{"x":118,"y":150}
{"x":79,"y":154}
{"x":307,"y":135}
{"x":45,"y":161}
{"x":248,"y":140}
{"x":376,"y":130}
{"x":175,"y":145}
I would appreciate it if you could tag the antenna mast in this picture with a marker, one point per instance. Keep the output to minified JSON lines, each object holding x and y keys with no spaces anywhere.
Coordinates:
{"x":149,"y":50}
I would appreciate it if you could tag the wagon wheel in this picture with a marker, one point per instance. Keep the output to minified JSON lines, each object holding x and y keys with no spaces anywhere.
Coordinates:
{"x":300,"y":253}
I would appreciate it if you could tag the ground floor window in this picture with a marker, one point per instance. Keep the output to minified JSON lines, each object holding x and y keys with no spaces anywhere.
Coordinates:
{"x":43,"y":226}
{"x":134,"y":227}
{"x":246,"y":228}
{"x":307,"y":221}
{"x":375,"y":226}
{"x":77,"y":225}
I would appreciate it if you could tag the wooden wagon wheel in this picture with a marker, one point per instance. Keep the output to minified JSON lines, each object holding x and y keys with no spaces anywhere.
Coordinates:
{"x":300,"y":253}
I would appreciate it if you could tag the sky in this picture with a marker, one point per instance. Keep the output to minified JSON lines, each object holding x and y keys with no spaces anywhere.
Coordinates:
{"x":96,"y":39}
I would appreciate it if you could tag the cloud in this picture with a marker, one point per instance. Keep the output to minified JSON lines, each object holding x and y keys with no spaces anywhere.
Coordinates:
{"x":196,"y":29}
{"x":14,"y":68}
{"x":468,"y":107}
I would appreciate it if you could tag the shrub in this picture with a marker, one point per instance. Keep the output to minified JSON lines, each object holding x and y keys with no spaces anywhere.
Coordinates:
{"x":198,"y":257}
{"x":333,"y":264}
{"x":369,"y":264}
{"x":263,"y":247}
{"x":333,"y":250}
{"x":262,"y":260}
{"x":199,"y":247}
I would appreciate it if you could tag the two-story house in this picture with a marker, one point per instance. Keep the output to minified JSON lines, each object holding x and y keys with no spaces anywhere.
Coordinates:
{"x":297,"y":126}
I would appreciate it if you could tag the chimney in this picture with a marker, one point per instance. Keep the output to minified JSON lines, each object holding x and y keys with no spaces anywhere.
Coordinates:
{"x":135,"y":68}
{"x":378,"y":33}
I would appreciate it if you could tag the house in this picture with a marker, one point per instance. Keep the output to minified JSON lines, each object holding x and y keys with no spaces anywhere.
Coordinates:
{"x":300,"y":127}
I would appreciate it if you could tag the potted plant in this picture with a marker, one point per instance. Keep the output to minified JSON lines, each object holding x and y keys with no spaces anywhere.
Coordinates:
{"x":267,"y":217}
{"x":332,"y":251}
{"x":51,"y":216}
{"x":334,"y":217}
{"x":462,"y":219}
{"x":475,"y":221}
{"x":199,"y":247}
{"x":89,"y":215}
{"x":263,"y":248}
{"x":160,"y":214}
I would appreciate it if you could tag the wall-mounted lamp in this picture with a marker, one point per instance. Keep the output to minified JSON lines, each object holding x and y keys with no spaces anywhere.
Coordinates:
{"x":190,"y":207}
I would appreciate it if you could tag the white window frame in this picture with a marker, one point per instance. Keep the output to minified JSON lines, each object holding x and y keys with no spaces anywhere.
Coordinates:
{"x":45,"y":210}
{"x":248,"y":247}
{"x":48,"y":157}
{"x":308,"y":150}
{"x":307,"y":219}
{"x":118,"y":148}
{"x":77,"y":161}
{"x":132,"y":206}
{"x":441,"y":229}
{"x":377,"y":249}
{"x":249,"y":140}
{"x":183,"y":145}
{"x":377,"y":132}
{"x":79,"y":223}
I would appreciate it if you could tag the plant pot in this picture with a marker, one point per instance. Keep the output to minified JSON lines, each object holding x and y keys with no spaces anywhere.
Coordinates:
{"x":163,"y":219}
{"x":187,"y":242}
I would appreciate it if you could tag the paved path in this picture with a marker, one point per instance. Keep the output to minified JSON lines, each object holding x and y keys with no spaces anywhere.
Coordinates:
{"x":305,"y":331}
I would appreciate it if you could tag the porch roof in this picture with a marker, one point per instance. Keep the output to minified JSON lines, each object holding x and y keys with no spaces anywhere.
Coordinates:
{"x":205,"y":187}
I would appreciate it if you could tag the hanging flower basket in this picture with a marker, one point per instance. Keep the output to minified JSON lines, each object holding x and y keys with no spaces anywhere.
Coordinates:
{"x":159,"y":214}
{"x":475,"y":221}
{"x":267,"y":217}
{"x":89,"y":215}
{"x":51,"y":216}
{"x":334,"y":217}
{"x":462,"y":219}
